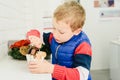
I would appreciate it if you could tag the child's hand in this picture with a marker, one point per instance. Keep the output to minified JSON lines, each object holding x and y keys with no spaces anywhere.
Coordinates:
{"x":40,"y":67}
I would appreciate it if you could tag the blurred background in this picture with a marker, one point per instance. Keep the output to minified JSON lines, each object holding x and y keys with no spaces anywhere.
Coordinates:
{"x":18,"y":16}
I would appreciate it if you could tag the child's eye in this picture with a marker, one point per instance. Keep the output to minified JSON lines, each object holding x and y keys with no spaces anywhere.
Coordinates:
{"x":61,"y":32}
{"x":54,"y":28}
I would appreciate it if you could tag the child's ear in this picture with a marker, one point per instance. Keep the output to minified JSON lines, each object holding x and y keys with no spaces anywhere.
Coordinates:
{"x":76,"y":32}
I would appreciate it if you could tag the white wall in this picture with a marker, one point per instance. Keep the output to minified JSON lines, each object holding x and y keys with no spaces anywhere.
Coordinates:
{"x":18,"y":16}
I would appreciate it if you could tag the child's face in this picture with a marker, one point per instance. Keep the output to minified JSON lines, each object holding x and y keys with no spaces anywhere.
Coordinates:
{"x":62,"y":31}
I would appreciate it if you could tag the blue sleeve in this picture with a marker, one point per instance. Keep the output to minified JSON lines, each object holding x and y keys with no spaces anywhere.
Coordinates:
{"x":46,"y":46}
{"x":46,"y":38}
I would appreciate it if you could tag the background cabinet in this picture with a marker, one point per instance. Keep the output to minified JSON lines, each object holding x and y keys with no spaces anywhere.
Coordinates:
{"x":115,"y":60}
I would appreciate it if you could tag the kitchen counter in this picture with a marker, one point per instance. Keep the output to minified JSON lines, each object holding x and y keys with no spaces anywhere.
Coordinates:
{"x":11,"y":69}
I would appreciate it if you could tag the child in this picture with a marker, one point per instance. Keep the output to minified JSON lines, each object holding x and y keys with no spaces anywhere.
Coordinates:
{"x":69,"y":45}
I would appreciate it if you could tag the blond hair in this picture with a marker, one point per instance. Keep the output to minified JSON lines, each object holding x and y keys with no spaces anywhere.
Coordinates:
{"x":71,"y":11}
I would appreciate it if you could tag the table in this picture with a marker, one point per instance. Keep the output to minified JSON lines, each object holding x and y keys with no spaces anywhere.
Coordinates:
{"x":11,"y":69}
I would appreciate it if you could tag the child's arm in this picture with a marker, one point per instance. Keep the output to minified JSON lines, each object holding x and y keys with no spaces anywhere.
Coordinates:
{"x":47,"y":40}
{"x":63,"y":73}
